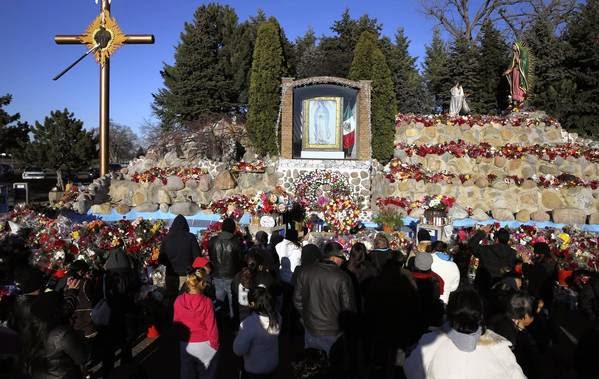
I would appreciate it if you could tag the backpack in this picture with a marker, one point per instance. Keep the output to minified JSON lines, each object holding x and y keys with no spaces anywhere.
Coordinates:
{"x":100,"y":313}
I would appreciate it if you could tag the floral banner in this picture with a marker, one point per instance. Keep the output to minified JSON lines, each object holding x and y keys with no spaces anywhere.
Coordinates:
{"x":471,"y":120}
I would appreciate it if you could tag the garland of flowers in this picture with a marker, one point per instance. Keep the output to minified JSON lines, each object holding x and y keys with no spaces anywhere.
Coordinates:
{"x":461,"y":149}
{"x":232,"y":206}
{"x":341,"y":214}
{"x":185,"y":173}
{"x":316,"y":188}
{"x":432,"y":202}
{"x":471,"y":120}
{"x":243,"y":166}
{"x":397,"y":170}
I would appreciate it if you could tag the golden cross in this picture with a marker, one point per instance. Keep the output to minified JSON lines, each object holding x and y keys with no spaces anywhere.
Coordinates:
{"x":103,"y":36}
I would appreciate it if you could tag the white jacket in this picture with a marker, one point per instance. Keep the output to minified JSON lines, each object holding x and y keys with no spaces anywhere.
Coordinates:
{"x":437,"y":357}
{"x":290,"y":256}
{"x":449,"y":272}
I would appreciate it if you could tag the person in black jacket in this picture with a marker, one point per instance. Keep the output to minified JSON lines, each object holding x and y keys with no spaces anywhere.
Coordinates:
{"x":324,"y":292}
{"x":225,"y":256}
{"x":382,"y":253}
{"x":178,"y":250}
{"x":58,"y":350}
{"x":495,"y":260}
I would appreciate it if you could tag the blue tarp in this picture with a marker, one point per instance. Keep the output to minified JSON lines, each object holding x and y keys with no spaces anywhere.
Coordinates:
{"x":201,"y":221}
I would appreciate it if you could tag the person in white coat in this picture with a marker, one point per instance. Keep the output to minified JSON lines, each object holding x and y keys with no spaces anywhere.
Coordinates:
{"x":290,"y":255}
{"x":463,"y":349}
{"x":445,"y":268}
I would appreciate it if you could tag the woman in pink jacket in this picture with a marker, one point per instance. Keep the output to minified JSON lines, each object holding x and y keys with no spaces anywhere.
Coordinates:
{"x":198,"y":333}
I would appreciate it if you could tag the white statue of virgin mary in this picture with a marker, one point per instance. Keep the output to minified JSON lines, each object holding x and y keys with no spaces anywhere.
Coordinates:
{"x":458,"y":101}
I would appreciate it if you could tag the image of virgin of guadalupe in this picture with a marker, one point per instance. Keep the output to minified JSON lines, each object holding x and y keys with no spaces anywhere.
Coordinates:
{"x":517,"y":74}
{"x":321,"y":133}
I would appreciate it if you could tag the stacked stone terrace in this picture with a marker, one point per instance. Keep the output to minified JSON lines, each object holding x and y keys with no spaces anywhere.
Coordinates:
{"x":495,"y":194}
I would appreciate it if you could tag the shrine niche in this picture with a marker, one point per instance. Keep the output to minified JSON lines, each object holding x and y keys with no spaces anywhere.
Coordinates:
{"x":325,"y":118}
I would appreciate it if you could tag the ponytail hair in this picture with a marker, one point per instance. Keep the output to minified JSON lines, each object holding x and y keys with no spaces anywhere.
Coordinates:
{"x":263,"y":303}
{"x":196,"y":280}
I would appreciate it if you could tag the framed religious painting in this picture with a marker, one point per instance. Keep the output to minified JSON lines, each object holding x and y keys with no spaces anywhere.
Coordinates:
{"x":322,"y":118}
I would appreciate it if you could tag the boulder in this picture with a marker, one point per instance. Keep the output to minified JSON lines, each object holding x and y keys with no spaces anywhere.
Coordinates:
{"x":594,"y":218}
{"x":162,"y":197}
{"x":548,"y":169}
{"x":569,"y":216}
{"x":502,"y":214}
{"x":540,"y":216}
{"x":457,"y":212}
{"x":248,"y":180}
{"x":482,"y":182}
{"x":551,"y":199}
{"x":578,"y":197}
{"x":528,"y":184}
{"x":174,"y":183}
{"x":224,"y":181}
{"x":480,"y":215}
{"x":139,"y":198}
{"x":500,"y":161}
{"x":81,"y":206}
{"x":123,"y":208}
{"x":528,"y":171}
{"x":523,"y":215}
{"x":185,"y":208}
{"x":146,"y":207}
{"x":191,"y":184}
{"x":104,"y":208}
{"x":205,"y":183}
{"x":514,"y":167}
{"x":164,"y":208}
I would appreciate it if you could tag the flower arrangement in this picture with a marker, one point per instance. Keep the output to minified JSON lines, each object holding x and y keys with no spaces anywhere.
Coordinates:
{"x":461,"y":148}
{"x":158,"y":173}
{"x":316,"y":188}
{"x":243,"y":166}
{"x":440,"y":203}
{"x":389,"y":217}
{"x":397,"y":170}
{"x":233,"y":206}
{"x":471,"y":120}
{"x":275,"y":201}
{"x":341,"y":214}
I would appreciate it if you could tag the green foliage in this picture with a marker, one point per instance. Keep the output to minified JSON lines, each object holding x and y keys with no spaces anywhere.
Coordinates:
{"x":494,"y":59}
{"x":60,"y":142}
{"x":369,"y":64}
{"x":464,"y":68}
{"x":436,"y":70}
{"x":13,"y":133}
{"x":268,"y":67}
{"x":202,"y":79}
{"x":582,"y":114}
{"x":389,"y":216}
{"x":409,"y":87}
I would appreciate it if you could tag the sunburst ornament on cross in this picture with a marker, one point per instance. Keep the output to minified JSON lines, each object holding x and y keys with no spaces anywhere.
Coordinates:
{"x":102,"y":38}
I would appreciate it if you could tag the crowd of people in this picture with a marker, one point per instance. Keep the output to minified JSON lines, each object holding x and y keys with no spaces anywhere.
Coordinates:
{"x":379,"y":313}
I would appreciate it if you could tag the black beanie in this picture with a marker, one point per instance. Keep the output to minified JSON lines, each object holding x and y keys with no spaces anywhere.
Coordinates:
{"x":118,"y":261}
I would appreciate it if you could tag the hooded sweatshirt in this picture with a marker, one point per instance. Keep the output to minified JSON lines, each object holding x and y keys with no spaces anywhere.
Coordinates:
{"x":194,"y":318}
{"x":179,"y":248}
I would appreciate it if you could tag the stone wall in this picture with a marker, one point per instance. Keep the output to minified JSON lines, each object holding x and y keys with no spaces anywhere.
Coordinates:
{"x":502,"y":199}
{"x":357,"y":173}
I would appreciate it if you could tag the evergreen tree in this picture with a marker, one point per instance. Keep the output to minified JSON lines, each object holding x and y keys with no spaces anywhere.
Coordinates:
{"x":494,"y":59}
{"x":337,"y":52}
{"x":60,"y":143}
{"x":549,"y":68}
{"x":436,"y":71}
{"x":305,"y":48}
{"x":582,"y":114}
{"x":13,"y":133}
{"x":463,"y":68}
{"x":241,"y":55}
{"x":268,"y":67}
{"x":201,"y":80}
{"x":369,"y":64}
{"x":409,"y":88}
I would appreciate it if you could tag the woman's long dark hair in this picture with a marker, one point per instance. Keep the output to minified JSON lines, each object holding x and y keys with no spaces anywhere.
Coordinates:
{"x":263,"y":304}
{"x":357,"y":254}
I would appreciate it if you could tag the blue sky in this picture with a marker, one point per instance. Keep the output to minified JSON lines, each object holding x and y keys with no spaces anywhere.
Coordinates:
{"x":31,"y":58}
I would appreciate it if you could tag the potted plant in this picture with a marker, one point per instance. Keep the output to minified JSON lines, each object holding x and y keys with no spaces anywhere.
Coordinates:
{"x":389,"y":218}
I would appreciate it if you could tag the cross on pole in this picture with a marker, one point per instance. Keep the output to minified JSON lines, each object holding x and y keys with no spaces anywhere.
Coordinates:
{"x":102,"y":37}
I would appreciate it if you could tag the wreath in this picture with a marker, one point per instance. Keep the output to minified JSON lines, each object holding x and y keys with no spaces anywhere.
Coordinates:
{"x":316,"y":188}
{"x":341,"y":214}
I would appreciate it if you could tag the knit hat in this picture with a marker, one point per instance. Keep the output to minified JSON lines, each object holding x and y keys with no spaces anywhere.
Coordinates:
{"x":199,"y":262}
{"x":423,"y":261}
{"x":310,"y":254}
{"x":118,"y":261}
{"x":30,"y":280}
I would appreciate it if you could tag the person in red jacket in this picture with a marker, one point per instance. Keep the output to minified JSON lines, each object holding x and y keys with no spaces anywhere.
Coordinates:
{"x":198,"y":333}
